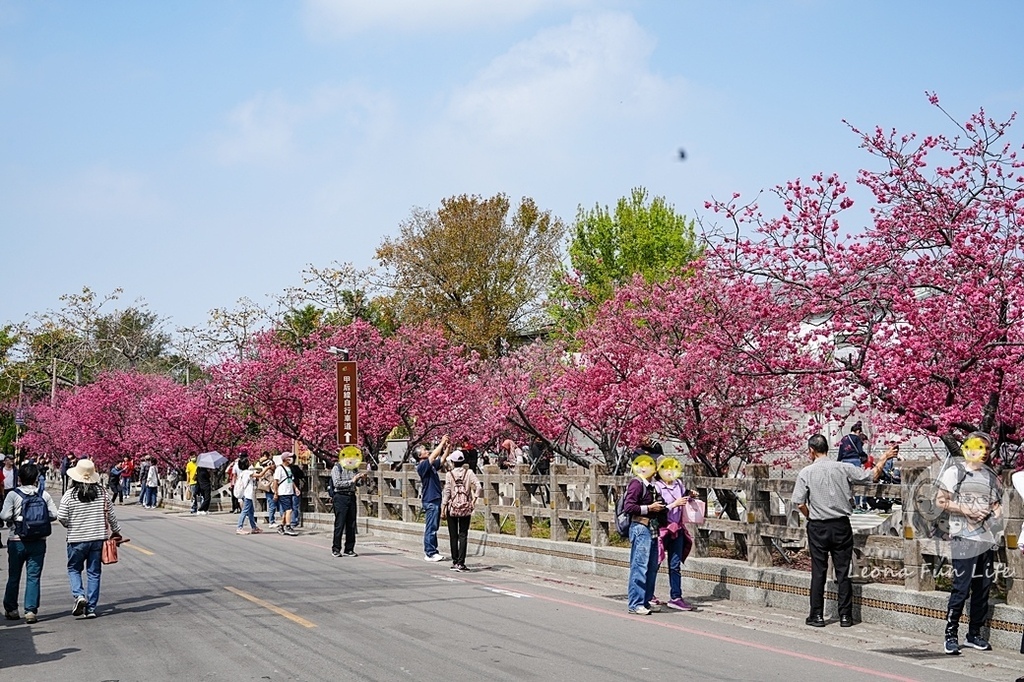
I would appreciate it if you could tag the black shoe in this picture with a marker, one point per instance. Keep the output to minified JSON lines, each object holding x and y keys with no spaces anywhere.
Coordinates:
{"x":951,"y":646}
{"x":815,"y":621}
{"x":977,"y":642}
{"x":335,"y":552}
{"x":349,"y":553}
{"x":846,"y":621}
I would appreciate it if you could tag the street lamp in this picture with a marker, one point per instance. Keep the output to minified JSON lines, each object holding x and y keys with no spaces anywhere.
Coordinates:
{"x":340,"y":353}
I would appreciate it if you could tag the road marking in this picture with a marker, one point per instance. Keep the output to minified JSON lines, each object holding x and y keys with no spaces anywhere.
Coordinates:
{"x":497,"y":590}
{"x":132,"y":545}
{"x":271,"y":607}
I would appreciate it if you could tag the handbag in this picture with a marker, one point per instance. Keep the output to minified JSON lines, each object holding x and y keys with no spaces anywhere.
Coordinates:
{"x":693,"y":510}
{"x":263,"y":483}
{"x":109,"y":554}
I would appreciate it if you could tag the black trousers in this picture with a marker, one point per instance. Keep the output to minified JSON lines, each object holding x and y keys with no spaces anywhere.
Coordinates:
{"x":973,"y":575}
{"x":344,"y":522}
{"x":458,"y":535}
{"x":205,"y":495}
{"x":834,"y":538}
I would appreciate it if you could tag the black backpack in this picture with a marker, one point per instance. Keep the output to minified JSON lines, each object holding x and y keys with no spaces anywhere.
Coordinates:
{"x":34,"y":522}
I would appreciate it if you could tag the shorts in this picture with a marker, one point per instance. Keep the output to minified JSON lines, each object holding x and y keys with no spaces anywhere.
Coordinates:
{"x":285,"y":503}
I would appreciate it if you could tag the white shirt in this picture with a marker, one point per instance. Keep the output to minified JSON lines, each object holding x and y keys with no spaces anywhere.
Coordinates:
{"x":244,"y":487}
{"x":283,"y":476}
{"x":11,"y":510}
{"x":8,"y":478}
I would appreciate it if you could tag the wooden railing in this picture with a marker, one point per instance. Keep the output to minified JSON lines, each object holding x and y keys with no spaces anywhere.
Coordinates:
{"x":571,"y":500}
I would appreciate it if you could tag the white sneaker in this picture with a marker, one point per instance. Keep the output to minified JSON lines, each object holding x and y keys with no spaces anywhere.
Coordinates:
{"x":434,"y":558}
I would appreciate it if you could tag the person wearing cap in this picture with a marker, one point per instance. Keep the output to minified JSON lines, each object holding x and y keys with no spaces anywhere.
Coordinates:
{"x":264,"y":481}
{"x":460,"y":475}
{"x":429,"y":464}
{"x":284,"y":492}
{"x":972,"y":496}
{"x":24,"y":553}
{"x":87,"y":514}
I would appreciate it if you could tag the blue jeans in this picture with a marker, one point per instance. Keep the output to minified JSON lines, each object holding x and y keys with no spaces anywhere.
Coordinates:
{"x":150,"y":498}
{"x":248,"y":512}
{"x":271,"y":508}
{"x":126,"y":486}
{"x":87,"y":555}
{"x":675,"y":548}
{"x":431,"y":521}
{"x":30,"y":555}
{"x":643,"y":565}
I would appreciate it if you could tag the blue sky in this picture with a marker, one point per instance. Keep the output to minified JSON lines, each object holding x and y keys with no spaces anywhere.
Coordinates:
{"x":196,"y":152}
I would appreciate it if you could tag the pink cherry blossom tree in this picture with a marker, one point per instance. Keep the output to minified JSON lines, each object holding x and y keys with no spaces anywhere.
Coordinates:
{"x":920,"y":314}
{"x":103,"y":420}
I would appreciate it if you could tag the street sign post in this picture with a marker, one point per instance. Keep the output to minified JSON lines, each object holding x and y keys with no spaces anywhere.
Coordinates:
{"x":348,"y":411}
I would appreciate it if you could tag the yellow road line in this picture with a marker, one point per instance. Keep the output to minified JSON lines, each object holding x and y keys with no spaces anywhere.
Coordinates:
{"x":272,"y":607}
{"x":132,"y":545}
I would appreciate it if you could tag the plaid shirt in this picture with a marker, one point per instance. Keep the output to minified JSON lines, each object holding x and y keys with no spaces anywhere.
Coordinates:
{"x":342,"y":480}
{"x":824,"y":486}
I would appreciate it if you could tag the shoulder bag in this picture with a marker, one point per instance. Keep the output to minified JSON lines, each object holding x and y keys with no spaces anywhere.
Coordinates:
{"x":109,"y":555}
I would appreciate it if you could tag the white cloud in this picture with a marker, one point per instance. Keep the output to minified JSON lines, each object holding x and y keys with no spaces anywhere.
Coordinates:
{"x":345,"y":17}
{"x":270,"y":129}
{"x":593,"y":70}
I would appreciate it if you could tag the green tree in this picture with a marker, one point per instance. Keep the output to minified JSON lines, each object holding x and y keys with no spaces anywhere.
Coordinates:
{"x":476,"y":267}
{"x":607,"y":249}
{"x":131,"y":339}
{"x":340,"y":293}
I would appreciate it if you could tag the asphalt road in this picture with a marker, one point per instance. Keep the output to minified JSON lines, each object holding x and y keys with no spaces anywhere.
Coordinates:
{"x":190,"y":600}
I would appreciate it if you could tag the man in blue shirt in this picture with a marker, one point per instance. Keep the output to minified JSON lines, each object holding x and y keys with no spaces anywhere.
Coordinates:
{"x":430,"y":486}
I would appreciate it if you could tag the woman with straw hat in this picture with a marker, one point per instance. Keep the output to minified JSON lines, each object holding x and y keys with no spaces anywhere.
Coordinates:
{"x":86,"y":512}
